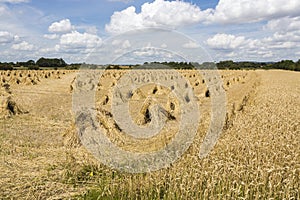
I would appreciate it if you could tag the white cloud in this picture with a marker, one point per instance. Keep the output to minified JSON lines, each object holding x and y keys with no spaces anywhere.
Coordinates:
{"x":288,"y":36}
{"x":121,"y":44}
{"x":231,"y":55}
{"x":163,"y":45}
{"x":126,"y":44}
{"x":62,"y":26}
{"x":47,"y":50}
{"x":191,"y":45}
{"x":147,"y":54}
{"x":283,"y":40}
{"x":116,"y":42}
{"x":153,"y":53}
{"x":6,"y":37}
{"x":268,"y":54}
{"x":86,"y":28}
{"x":237,"y":11}
{"x":14,"y":1}
{"x":91,"y":29}
{"x":226,"y":41}
{"x":23,"y":46}
{"x":277,"y":46}
{"x":124,"y":20}
{"x":2,"y":10}
{"x":75,"y":41}
{"x":174,"y":14}
{"x":51,"y":36}
{"x":160,"y":13}
{"x":283,"y":24}
{"x":284,"y":45}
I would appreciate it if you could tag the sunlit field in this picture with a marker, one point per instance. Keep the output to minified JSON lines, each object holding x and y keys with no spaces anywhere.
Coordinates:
{"x":256,"y":157}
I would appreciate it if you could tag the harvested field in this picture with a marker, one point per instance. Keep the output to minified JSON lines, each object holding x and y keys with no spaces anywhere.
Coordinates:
{"x":256,"y":157}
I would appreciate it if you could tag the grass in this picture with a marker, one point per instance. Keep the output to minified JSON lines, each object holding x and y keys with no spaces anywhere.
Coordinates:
{"x":205,"y":181}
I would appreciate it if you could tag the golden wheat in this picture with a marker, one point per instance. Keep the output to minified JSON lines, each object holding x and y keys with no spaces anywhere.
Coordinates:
{"x":257,"y":156}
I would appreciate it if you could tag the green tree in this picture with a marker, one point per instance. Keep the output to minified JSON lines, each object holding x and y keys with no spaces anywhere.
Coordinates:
{"x":284,"y":64}
{"x":51,"y":62}
{"x":228,"y":64}
{"x":297,"y":65}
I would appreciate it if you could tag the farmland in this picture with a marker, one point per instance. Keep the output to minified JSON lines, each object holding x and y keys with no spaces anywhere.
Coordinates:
{"x":256,"y":157}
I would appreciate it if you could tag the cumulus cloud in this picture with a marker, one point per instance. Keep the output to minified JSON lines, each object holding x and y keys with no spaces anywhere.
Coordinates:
{"x":6,"y":37}
{"x":286,"y":33}
{"x":2,"y":10}
{"x":225,"y":41}
{"x":23,"y":46}
{"x":282,"y":41}
{"x":160,"y":13}
{"x":123,"y":44}
{"x":149,"y":54}
{"x":191,"y":45}
{"x":126,"y":44}
{"x":233,"y":11}
{"x":91,"y":29}
{"x":283,"y":24}
{"x":62,"y":26}
{"x":47,"y":50}
{"x":173,"y":14}
{"x":163,"y":45}
{"x":279,"y":46}
{"x":51,"y":36}
{"x":287,"y":36}
{"x":284,"y":45}
{"x":75,"y":41}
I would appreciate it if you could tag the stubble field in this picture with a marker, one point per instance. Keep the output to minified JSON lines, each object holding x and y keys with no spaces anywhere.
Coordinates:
{"x":256,"y":157}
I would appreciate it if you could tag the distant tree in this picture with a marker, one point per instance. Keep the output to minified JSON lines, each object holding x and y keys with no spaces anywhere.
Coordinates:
{"x":284,"y":64}
{"x":249,"y":65}
{"x":42,"y":62}
{"x":51,"y":62}
{"x":297,"y":65}
{"x":73,"y":66}
{"x":33,"y":67}
{"x":178,"y":65}
{"x":228,"y":64}
{"x":30,"y":62}
{"x":208,"y":65}
{"x":6,"y":66}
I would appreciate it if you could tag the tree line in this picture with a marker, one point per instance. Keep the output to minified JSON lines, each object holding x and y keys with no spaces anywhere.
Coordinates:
{"x":52,"y":63}
{"x":283,"y":64}
{"x":231,"y":65}
{"x":56,"y":63}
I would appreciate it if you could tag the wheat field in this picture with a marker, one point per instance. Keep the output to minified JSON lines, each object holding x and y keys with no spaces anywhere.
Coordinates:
{"x":256,"y":157}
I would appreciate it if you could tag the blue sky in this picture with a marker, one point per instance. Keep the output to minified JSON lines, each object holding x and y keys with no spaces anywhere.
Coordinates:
{"x":257,"y":30}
